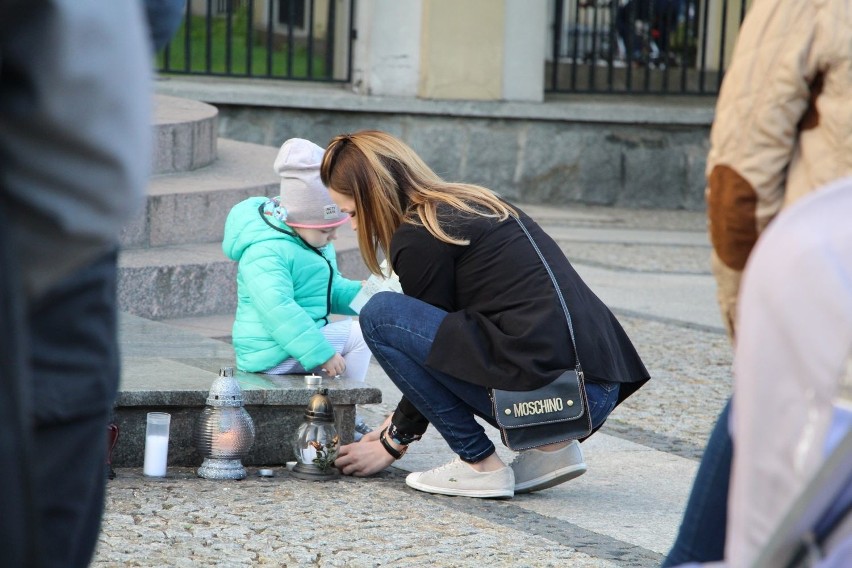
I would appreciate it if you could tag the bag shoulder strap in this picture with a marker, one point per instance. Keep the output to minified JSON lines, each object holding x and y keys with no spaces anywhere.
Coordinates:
{"x":556,"y":287}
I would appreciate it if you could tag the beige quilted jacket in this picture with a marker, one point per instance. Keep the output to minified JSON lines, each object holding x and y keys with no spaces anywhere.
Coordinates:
{"x":783,"y":125}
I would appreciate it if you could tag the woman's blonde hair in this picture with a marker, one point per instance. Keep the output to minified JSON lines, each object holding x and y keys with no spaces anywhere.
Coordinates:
{"x":390,"y":185}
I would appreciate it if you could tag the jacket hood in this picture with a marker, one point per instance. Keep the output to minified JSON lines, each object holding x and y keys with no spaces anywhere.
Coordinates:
{"x":244,"y":226}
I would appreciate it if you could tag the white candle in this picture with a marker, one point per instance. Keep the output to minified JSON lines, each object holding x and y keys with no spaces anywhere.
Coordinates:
{"x":308,"y":455}
{"x":156,"y":455}
{"x":226,"y":442}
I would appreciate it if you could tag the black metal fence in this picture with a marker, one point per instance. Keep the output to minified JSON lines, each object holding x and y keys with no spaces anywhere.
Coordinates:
{"x":278,"y":39}
{"x":641,"y":46}
{"x":598,"y":46}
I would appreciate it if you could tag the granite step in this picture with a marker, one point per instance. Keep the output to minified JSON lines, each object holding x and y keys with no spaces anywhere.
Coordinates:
{"x":191,"y":206}
{"x":169,"y":369}
{"x":189,"y":280}
{"x":176,"y":281}
{"x":171,"y":264}
{"x":214,"y":326}
{"x":186,"y":133}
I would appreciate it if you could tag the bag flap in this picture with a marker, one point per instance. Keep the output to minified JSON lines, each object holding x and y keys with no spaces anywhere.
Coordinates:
{"x":560,"y":401}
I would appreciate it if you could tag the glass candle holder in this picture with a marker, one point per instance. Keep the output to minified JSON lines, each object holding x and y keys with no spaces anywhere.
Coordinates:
{"x":224,"y":431}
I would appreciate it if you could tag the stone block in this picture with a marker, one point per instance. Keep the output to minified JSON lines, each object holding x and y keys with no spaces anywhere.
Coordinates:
{"x":577,"y":151}
{"x":186,"y":134}
{"x":176,"y":281}
{"x":180,"y":387}
{"x":275,"y":428}
{"x":443,"y":144}
{"x":191,"y":206}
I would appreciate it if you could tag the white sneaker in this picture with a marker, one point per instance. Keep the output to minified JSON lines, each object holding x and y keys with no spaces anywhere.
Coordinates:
{"x":536,"y":470}
{"x":458,"y":478}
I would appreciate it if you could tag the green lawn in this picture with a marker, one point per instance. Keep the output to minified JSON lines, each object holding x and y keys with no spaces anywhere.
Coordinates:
{"x":239,"y":64}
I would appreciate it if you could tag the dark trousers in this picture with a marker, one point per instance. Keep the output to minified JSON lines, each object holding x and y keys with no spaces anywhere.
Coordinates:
{"x":701,"y":537}
{"x":57,"y":388}
{"x":18,"y":520}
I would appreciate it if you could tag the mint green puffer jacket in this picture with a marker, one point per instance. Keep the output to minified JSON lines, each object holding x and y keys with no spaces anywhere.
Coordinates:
{"x":285,"y":290}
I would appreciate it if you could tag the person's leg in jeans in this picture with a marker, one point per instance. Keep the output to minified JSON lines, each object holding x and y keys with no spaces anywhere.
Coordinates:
{"x":74,"y":350}
{"x":18,"y":519}
{"x":602,"y":400}
{"x":400,"y":331}
{"x":164,"y":17}
{"x":701,"y":537}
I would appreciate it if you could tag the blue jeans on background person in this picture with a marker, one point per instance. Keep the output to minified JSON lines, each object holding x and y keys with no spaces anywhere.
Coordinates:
{"x":399,"y":331}
{"x":73,"y":333}
{"x":164,"y":18}
{"x":18,"y":521}
{"x":64,"y":376}
{"x":701,"y":537}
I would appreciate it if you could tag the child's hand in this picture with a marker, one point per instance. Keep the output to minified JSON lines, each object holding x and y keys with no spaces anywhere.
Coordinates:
{"x":335,"y":366}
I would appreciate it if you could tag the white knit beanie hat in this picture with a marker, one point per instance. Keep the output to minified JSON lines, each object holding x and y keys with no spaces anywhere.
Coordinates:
{"x":305,"y":201}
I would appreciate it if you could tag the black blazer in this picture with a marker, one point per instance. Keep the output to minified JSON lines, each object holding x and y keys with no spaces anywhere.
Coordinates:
{"x":505,"y":328}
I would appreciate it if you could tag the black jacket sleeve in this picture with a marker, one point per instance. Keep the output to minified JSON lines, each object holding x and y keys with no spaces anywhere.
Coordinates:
{"x":408,"y":419}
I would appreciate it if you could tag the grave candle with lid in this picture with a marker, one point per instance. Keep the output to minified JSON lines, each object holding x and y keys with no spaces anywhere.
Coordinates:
{"x":316,"y":440}
{"x":224,"y":432}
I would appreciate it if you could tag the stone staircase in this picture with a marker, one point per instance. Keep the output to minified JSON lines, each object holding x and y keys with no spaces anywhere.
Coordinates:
{"x":177,"y":292}
{"x":172,"y":266}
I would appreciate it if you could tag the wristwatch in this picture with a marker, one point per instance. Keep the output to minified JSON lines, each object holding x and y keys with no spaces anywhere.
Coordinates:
{"x":396,"y":454}
{"x":402,"y":439}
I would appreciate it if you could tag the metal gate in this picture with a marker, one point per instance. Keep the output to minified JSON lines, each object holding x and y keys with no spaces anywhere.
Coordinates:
{"x":309,"y":40}
{"x":641,"y":46}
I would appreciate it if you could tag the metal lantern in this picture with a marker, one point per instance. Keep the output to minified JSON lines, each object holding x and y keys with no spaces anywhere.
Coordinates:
{"x":224,"y":432}
{"x":316,"y":440}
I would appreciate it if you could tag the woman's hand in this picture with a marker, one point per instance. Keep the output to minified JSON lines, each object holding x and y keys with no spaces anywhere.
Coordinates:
{"x":385,"y":424}
{"x":363,"y":458}
{"x":366,"y":456}
{"x":371,"y":436}
{"x":335,"y":366}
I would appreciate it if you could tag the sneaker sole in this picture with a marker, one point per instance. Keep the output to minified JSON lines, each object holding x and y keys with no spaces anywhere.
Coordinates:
{"x":480,"y":493}
{"x":551,"y":479}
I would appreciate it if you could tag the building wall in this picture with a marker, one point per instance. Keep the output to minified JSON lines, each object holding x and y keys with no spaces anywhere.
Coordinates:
{"x":721,"y":14}
{"x":449,"y":50}
{"x":462,"y":50}
{"x":387,"y":49}
{"x":623,"y":161}
{"x":526,"y":42}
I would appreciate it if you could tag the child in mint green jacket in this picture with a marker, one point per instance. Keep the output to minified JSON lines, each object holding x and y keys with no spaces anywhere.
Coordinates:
{"x":288,"y":283}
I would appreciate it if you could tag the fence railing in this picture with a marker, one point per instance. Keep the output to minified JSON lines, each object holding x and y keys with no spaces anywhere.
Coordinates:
{"x":278,"y":39}
{"x":598,"y":46}
{"x":641,"y":46}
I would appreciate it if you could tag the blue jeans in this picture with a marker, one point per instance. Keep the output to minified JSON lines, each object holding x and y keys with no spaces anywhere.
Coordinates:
{"x":164,"y":18}
{"x":65,"y":376}
{"x":701,"y":537}
{"x":399,"y":331}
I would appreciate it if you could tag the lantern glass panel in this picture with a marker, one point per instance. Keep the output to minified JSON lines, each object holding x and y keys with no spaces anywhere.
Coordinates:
{"x":225,"y":432}
{"x":316,"y":444}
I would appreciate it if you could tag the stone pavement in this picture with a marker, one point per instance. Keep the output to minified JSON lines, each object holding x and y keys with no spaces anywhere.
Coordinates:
{"x":651,"y":268}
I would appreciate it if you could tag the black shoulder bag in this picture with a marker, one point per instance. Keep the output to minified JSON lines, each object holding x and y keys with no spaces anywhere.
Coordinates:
{"x":553,"y":413}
